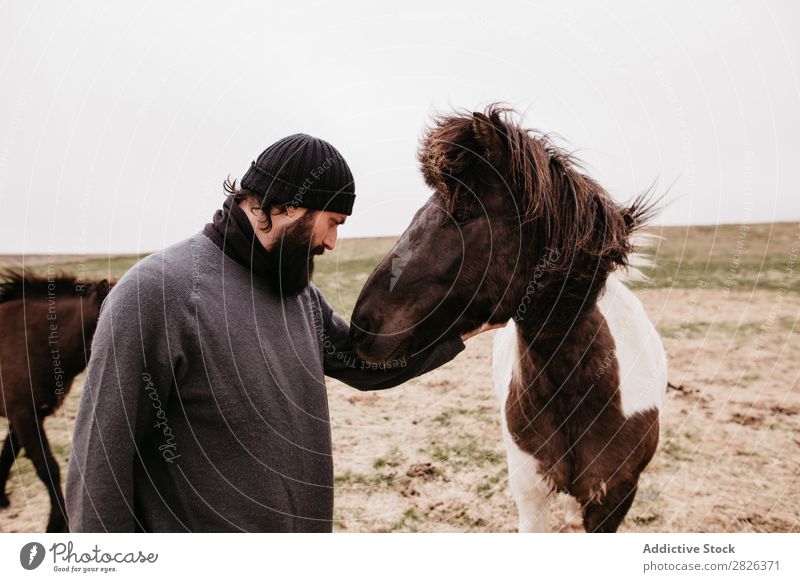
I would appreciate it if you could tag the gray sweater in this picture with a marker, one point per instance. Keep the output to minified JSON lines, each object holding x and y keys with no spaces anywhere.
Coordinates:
{"x":204,"y":407}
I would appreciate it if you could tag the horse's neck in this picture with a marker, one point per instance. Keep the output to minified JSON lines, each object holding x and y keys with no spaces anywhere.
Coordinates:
{"x":75,"y":324}
{"x":562,"y":341}
{"x":560,"y":307}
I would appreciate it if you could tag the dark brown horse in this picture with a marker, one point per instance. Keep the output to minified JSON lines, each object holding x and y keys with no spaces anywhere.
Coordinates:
{"x":515,"y":233}
{"x":47,"y":325}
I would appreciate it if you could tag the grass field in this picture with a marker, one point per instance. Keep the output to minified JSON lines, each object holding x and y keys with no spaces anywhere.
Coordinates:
{"x":428,"y":456}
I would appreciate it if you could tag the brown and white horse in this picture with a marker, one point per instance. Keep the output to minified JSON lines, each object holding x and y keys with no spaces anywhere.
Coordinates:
{"x":515,"y":233}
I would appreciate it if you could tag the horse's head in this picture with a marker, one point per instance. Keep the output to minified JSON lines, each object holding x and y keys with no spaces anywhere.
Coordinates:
{"x":509,"y":216}
{"x":93,"y":294}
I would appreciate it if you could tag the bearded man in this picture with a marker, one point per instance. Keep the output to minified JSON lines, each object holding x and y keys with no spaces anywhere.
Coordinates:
{"x":204,"y":407}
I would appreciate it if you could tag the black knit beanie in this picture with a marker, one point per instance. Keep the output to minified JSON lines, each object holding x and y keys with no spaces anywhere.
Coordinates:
{"x":305,"y":171}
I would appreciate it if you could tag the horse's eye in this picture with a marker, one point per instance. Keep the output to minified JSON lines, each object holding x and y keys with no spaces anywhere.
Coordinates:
{"x":461,"y":216}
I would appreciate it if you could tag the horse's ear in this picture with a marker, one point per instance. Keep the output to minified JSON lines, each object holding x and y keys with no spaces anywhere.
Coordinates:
{"x":488,"y":133}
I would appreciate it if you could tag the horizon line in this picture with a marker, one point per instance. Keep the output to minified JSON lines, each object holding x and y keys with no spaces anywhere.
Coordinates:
{"x":4,"y":253}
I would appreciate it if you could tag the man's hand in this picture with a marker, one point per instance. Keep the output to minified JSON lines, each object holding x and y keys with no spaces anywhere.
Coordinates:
{"x":481,"y":329}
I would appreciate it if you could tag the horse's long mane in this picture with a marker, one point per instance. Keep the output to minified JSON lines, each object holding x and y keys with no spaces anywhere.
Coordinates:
{"x":574,"y":214}
{"x":16,"y":283}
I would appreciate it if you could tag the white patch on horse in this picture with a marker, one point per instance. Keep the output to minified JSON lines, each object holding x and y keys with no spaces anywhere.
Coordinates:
{"x":573,"y":512}
{"x":639,"y":350}
{"x":528,"y":487}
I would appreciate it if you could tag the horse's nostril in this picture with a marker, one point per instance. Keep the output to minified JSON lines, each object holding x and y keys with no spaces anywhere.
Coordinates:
{"x":361,"y":328}
{"x":366,"y":325}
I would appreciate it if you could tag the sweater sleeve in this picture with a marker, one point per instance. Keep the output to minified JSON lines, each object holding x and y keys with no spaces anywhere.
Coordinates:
{"x":340,"y":361}
{"x":133,"y":366}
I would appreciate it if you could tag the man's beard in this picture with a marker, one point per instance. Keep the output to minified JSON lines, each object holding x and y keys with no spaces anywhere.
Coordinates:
{"x":292,"y":258}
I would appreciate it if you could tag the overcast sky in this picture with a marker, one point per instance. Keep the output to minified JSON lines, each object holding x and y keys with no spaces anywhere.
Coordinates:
{"x":119,"y":120}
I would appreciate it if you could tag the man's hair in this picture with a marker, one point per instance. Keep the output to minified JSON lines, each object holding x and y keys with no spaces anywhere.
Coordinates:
{"x":269,"y":206}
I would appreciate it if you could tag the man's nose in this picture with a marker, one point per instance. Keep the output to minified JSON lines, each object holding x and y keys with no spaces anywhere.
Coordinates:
{"x":330,"y":242}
